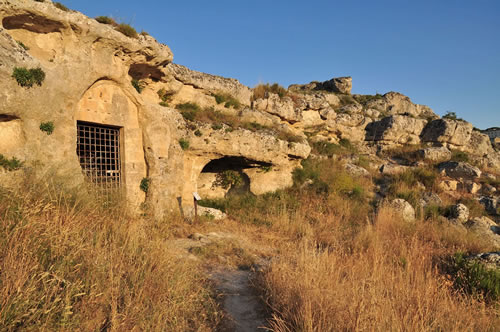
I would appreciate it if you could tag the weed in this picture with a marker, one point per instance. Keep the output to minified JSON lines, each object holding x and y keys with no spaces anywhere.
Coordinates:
{"x":61,"y":6}
{"x":226,"y":99}
{"x":216,"y":126}
{"x":365,"y":99}
{"x":459,"y":156}
{"x":20,"y":43}
{"x":198,"y":133}
{"x":263,"y":90}
{"x":106,"y":20}
{"x":472,"y":277}
{"x":184,"y":143}
{"x":188,"y":110}
{"x":144,"y":186}
{"x":138,"y":85}
{"x":163,"y":103}
{"x":127,"y":30}
{"x":28,"y":77}
{"x":47,"y":127}
{"x":144,"y":33}
{"x":10,"y":164}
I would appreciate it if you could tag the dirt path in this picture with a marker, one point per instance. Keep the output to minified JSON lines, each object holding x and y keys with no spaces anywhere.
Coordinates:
{"x":244,"y":309}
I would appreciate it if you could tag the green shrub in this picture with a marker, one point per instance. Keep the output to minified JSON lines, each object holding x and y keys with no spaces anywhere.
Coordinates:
{"x":127,"y":30}
{"x":47,"y":127}
{"x":472,"y":277}
{"x":28,"y":77}
{"x":138,"y":85}
{"x":326,"y":148}
{"x":61,"y":6}
{"x":184,"y":143}
{"x":20,"y":43}
{"x":188,"y":110}
{"x":163,"y":103}
{"x":105,"y":20}
{"x":216,"y":126}
{"x":198,"y":133}
{"x":450,"y":116}
{"x":227,"y":99}
{"x":228,"y":178}
{"x":144,"y":186}
{"x":364,"y":99}
{"x":10,"y":164}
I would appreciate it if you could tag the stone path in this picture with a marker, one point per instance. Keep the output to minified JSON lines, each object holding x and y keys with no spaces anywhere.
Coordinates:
{"x":244,"y":310}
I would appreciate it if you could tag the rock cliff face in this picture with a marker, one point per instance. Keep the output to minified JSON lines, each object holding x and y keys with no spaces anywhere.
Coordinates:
{"x":178,"y":130}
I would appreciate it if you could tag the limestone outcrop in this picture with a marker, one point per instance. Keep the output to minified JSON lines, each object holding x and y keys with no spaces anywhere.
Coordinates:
{"x":397,"y":129}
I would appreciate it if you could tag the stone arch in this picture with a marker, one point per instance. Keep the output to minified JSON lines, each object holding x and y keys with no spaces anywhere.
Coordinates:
{"x":105,"y":103}
{"x":209,"y":182}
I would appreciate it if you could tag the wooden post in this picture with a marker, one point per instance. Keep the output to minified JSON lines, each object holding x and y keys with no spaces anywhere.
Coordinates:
{"x":196,"y":198}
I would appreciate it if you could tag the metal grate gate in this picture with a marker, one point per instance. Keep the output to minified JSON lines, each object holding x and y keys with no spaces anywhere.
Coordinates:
{"x":98,"y":148}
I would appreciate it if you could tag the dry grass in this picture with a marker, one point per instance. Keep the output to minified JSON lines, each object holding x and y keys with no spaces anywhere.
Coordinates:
{"x":385,"y":279}
{"x":67,"y":263}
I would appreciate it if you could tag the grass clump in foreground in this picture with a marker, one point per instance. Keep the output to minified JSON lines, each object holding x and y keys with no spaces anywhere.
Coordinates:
{"x":68,"y":263}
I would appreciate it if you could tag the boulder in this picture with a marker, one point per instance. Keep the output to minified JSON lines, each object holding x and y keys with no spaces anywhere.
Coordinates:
{"x":459,"y":212}
{"x":282,"y":107}
{"x":391,"y":169}
{"x":454,"y":132}
{"x":207,"y":212}
{"x":490,"y":204}
{"x":396,"y":103}
{"x":455,"y":169}
{"x":479,"y":144}
{"x":430,"y":198}
{"x":356,"y":171}
{"x":489,"y":259}
{"x":403,"y":209}
{"x":398,"y":129}
{"x":338,"y":85}
{"x":435,"y":154}
{"x":448,"y":185}
{"x":485,"y":227}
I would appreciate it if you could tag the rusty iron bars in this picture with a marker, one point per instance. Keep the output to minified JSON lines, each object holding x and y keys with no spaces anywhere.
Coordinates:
{"x":98,"y":149}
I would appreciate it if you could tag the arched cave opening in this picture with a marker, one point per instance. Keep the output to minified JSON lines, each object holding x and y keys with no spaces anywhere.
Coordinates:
{"x":225,"y":177}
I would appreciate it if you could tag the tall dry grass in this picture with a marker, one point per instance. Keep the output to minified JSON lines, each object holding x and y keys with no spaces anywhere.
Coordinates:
{"x":68,"y":263}
{"x":383,"y":278}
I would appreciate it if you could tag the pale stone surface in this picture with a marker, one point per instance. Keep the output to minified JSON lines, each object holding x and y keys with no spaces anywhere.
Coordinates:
{"x":460,"y":212}
{"x":454,"y":132}
{"x":392,"y":169}
{"x":396,"y":103}
{"x":403,"y":209}
{"x":282,"y":107}
{"x":448,"y":185}
{"x":435,"y":154}
{"x":396,"y":129}
{"x":210,"y":83}
{"x":457,"y":170}
{"x":355,"y":170}
{"x":337,"y":85}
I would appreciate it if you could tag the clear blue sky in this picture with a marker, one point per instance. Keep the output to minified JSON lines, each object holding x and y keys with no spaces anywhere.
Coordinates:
{"x":441,"y":53}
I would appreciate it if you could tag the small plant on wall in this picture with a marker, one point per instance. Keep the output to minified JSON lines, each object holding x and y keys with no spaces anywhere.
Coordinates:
{"x":144,"y":184}
{"x":138,"y":85}
{"x":184,"y":143}
{"x":28,"y":77}
{"x":47,"y":127}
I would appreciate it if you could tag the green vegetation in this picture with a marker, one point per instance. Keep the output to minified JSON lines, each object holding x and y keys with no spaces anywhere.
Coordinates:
{"x":198,"y":133}
{"x":144,"y":186}
{"x":144,"y":33}
{"x":106,"y":20}
{"x":457,"y":155}
{"x":263,"y":90}
{"x":28,"y":77}
{"x":472,"y":277}
{"x":127,"y":30}
{"x":138,"y":85}
{"x":61,"y":6}
{"x":228,"y":178}
{"x":184,"y":143}
{"x":47,"y":127}
{"x":329,"y":149}
{"x":365,"y":99}
{"x":20,"y":43}
{"x":226,"y":99}
{"x":10,"y":164}
{"x":188,"y":111}
{"x":164,"y":97}
{"x":450,"y":115}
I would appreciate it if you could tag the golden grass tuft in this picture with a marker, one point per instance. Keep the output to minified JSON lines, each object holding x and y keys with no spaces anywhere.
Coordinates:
{"x":68,"y":263}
